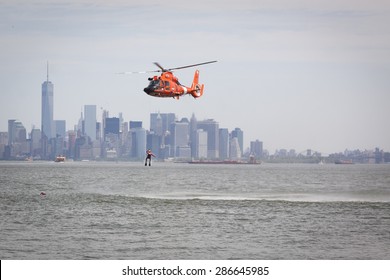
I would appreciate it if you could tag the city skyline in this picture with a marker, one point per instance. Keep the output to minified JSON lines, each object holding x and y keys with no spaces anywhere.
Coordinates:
{"x":296,"y":74}
{"x":236,"y":135}
{"x":89,"y":122}
{"x":90,"y":117}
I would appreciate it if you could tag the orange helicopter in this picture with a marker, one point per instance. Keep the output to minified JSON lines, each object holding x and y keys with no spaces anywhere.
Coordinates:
{"x":167,"y":85}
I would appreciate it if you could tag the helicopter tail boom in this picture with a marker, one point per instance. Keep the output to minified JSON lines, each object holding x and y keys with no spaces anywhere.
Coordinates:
{"x":196,"y":88}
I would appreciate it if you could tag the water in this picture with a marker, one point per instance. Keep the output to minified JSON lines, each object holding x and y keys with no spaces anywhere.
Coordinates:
{"x":181,"y":211}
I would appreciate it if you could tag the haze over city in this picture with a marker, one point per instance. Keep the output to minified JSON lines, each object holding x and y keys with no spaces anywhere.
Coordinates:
{"x":293,"y":74}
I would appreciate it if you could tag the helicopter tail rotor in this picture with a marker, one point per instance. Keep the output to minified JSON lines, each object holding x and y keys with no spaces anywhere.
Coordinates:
{"x":196,"y":88}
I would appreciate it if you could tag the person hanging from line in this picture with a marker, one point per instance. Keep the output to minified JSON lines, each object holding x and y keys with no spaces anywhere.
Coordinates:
{"x":149,"y":156}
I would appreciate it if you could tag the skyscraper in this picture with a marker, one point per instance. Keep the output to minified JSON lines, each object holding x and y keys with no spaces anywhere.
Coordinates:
{"x":135,"y":124}
{"x":138,"y":142}
{"x":193,"y":129}
{"x":212,"y":129}
{"x":11,"y":124}
{"x":16,"y":132}
{"x":256,"y":149}
{"x":200,"y":144}
{"x":224,"y":143}
{"x":235,"y":151}
{"x":112,"y":126}
{"x":35,"y":145}
{"x":90,"y":121}
{"x":60,"y":126}
{"x":47,"y":123}
{"x":180,"y":137}
{"x":239,"y":134}
{"x":161,"y":122}
{"x":17,"y":138}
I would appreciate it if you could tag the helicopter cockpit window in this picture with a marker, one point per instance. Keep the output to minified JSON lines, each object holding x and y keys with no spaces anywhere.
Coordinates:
{"x":154,"y":83}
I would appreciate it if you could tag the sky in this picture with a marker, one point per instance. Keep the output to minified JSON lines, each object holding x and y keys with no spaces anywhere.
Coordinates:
{"x":295,"y":74}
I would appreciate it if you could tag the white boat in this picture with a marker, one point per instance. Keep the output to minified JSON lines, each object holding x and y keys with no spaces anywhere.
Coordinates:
{"x":60,"y":158}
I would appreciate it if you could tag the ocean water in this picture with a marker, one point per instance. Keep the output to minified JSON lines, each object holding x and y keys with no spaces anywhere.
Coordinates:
{"x":108,"y":210}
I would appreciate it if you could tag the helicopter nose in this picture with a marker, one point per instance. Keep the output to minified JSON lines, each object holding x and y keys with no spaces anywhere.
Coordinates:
{"x":148,"y":90}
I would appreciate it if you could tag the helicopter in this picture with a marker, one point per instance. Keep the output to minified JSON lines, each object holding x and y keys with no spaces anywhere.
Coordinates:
{"x":168,"y":85}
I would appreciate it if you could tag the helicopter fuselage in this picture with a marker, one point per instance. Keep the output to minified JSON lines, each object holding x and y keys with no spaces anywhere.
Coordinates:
{"x":167,"y":85}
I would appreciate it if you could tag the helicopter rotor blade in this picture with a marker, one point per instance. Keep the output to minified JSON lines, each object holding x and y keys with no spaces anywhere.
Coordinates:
{"x":166,"y":70}
{"x":128,"y":73}
{"x":192,"y":65}
{"x":138,"y":72}
{"x":162,"y":68}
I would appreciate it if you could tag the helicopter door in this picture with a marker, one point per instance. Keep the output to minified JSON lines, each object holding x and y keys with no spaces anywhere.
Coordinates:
{"x":167,"y":86}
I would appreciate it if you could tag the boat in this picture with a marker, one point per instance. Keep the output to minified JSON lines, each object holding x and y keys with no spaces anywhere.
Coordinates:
{"x":60,"y":158}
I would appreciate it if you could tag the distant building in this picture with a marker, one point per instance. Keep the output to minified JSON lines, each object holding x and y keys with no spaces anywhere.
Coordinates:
{"x":153,"y":142}
{"x":239,"y":134}
{"x":193,"y":129}
{"x":161,"y":122}
{"x":212,"y":129}
{"x":183,"y":152}
{"x":158,"y":129}
{"x":11,"y":132}
{"x":90,"y":121}
{"x":71,"y":144}
{"x":200,"y":144}
{"x":35,"y":142}
{"x":3,"y":138}
{"x":235,"y":151}
{"x":138,"y":143}
{"x":99,"y":131}
{"x":16,"y":132}
{"x":121,"y":122}
{"x":47,"y":124}
{"x":60,"y":128}
{"x":3,"y":143}
{"x":105,"y":115}
{"x":17,"y":139}
{"x":256,"y":149}
{"x":224,"y":143}
{"x":180,"y":139}
{"x":125,"y":140}
{"x":135,"y":124}
{"x":112,"y":126}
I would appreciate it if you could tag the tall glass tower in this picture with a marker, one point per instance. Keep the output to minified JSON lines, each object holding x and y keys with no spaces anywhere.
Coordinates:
{"x":90,"y":121}
{"x":239,"y":134}
{"x":212,"y":129}
{"x":47,"y":123}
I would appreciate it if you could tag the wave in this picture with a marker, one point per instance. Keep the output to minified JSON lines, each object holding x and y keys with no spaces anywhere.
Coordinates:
{"x":265,"y":197}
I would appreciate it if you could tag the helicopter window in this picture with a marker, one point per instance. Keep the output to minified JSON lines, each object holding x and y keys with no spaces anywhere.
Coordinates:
{"x":153,"y":83}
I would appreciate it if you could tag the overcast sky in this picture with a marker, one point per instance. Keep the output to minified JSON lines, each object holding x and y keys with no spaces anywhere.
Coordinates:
{"x":295,"y":74}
